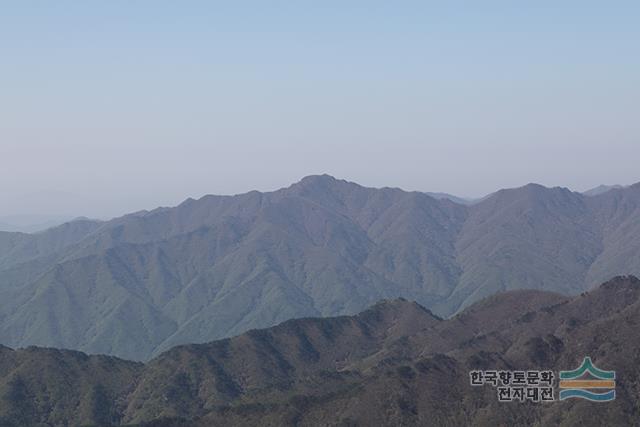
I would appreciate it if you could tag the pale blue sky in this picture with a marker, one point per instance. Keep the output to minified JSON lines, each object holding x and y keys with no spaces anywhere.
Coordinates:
{"x":135,"y":104}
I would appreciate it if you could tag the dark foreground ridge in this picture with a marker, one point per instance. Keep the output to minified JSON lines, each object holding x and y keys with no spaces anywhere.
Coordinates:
{"x":393,"y":364}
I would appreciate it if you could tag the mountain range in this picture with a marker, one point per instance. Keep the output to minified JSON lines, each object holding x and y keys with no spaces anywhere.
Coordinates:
{"x":394,"y":364}
{"x":138,"y":285}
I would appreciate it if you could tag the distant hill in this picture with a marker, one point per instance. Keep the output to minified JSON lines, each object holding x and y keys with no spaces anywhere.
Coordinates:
{"x":30,"y":223}
{"x":601,"y":189}
{"x":456,"y":199}
{"x":393,"y":364}
{"x":215,"y":267}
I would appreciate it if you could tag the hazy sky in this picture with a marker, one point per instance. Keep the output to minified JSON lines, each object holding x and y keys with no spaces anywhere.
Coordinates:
{"x":113,"y":106}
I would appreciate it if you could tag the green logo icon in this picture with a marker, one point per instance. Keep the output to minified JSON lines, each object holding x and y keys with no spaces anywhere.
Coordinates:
{"x":588,"y":382}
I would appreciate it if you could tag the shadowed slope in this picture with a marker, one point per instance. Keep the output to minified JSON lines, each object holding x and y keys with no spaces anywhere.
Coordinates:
{"x":393,"y":364}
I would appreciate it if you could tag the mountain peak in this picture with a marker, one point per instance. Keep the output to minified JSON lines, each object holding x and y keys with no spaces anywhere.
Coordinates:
{"x":324,"y":187}
{"x":321,"y":178}
{"x":532,"y":192}
{"x":630,"y":281}
{"x":401,"y":308}
{"x":319,"y":182}
{"x":601,"y":189}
